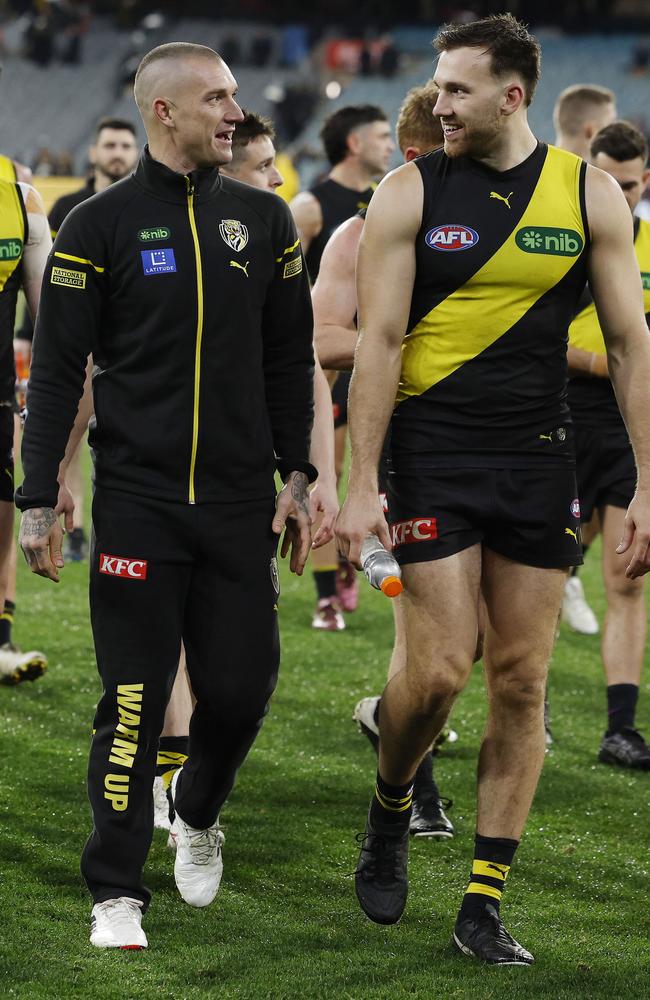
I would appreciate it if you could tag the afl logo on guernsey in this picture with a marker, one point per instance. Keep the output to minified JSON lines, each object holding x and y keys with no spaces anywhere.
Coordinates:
{"x":451,"y":238}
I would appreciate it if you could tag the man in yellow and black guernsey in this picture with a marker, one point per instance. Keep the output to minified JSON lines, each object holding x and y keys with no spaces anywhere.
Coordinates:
{"x":605,"y":463}
{"x":190,"y":291}
{"x":470,"y":269}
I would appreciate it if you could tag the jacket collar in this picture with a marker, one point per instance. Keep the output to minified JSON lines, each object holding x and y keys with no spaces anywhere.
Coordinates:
{"x":172,"y":186}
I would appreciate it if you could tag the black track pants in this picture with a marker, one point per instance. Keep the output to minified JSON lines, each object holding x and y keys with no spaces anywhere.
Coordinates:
{"x":161,"y":572}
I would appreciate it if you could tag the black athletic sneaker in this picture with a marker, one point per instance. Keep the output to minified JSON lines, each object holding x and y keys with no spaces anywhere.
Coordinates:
{"x":626,"y":748}
{"x":428,"y":817}
{"x":381,"y":880}
{"x":486,"y":939}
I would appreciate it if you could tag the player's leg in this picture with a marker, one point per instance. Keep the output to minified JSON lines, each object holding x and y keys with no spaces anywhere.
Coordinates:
{"x":173,"y":744}
{"x":232,"y":646}
{"x":576,"y":611}
{"x":75,"y":545}
{"x":440,"y":623}
{"x":622,"y":646}
{"x":15,"y":666}
{"x":139,"y":575}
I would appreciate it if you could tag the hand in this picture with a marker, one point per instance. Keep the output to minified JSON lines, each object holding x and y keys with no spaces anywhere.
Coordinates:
{"x":292,"y":514}
{"x":40,"y":538}
{"x":361,"y":515}
{"x":65,"y":506}
{"x":324,"y":500}
{"x":637,"y":532}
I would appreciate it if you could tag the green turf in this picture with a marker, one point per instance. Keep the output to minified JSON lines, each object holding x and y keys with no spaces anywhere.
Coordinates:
{"x":285,"y":923}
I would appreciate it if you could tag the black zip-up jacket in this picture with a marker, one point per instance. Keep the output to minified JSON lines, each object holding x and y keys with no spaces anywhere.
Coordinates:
{"x":192,"y":296}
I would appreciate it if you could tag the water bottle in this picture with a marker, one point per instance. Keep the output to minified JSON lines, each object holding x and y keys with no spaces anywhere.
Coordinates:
{"x":382,"y":570}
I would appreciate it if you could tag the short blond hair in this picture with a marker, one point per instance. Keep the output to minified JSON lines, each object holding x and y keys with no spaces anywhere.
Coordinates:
{"x":165,"y":53}
{"x":576,"y":106}
{"x":416,"y":124}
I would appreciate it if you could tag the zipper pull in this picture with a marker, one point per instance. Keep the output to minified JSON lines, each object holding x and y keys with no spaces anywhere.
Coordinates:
{"x":190,"y":184}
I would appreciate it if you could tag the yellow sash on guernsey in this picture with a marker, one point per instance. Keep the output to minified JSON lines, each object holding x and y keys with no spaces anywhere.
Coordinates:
{"x":500,"y":293}
{"x":585,"y":332}
{"x":7,"y":169}
{"x":12,"y":230}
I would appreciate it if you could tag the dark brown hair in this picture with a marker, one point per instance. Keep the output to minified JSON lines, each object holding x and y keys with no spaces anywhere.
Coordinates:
{"x":338,"y":126}
{"x":121,"y":124}
{"x":621,"y":141}
{"x":511,"y":46}
{"x":252,"y":127}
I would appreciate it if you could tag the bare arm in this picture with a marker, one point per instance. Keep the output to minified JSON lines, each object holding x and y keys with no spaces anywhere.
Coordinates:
{"x":387,"y":249}
{"x":324,"y":496}
{"x":587,"y":362}
{"x":37,"y":248}
{"x":308,"y":218}
{"x":616,"y":288}
{"x":334,"y":298}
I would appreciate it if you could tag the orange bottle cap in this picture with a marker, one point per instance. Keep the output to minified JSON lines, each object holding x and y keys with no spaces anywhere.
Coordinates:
{"x":392,"y":586}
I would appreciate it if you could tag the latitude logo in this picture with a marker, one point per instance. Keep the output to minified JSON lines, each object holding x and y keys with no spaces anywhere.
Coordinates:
{"x":549,"y":240}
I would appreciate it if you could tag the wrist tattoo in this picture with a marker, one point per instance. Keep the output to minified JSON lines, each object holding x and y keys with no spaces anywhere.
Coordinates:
{"x":300,"y":492}
{"x":38,"y":521}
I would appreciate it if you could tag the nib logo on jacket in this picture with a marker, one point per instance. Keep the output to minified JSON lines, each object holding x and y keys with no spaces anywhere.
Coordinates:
{"x":129,"y":569}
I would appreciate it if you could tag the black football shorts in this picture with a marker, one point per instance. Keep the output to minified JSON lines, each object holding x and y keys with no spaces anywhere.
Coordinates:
{"x":531,"y":516}
{"x":605,"y":469}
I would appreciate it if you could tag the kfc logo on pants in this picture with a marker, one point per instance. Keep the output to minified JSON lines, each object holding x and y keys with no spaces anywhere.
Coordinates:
{"x":129,"y":569}
{"x":417,"y":529}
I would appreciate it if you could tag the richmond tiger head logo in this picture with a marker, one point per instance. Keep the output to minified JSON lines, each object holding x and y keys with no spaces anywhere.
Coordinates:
{"x":234,"y":233}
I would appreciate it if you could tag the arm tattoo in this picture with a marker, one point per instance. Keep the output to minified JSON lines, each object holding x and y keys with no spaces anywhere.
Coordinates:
{"x":38,"y":521}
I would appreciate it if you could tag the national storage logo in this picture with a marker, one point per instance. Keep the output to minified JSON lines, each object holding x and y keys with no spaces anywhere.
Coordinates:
{"x":544,"y":239}
{"x":157,"y":233}
{"x":11,"y":249}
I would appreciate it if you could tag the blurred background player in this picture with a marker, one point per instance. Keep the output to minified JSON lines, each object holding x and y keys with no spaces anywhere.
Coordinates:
{"x":112,"y":156}
{"x":334,"y":299}
{"x":358,"y":145}
{"x":24,"y":245}
{"x":580,"y":112}
{"x":605,"y":464}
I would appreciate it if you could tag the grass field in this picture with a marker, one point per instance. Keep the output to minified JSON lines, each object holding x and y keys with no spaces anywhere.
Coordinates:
{"x":286,"y":923}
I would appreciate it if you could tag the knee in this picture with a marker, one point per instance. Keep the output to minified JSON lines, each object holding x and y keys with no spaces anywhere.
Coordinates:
{"x":440,"y":684}
{"x":517,"y":683}
{"x":618,"y":587}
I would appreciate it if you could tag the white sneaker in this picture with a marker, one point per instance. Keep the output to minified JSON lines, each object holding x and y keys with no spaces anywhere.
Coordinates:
{"x":198,"y":866}
{"x":115,"y":923}
{"x":161,"y":819}
{"x":16,"y":666}
{"x":575,"y":611}
{"x":364,"y":715}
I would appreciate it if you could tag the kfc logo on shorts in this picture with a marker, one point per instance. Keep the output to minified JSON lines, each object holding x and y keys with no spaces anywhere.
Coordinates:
{"x":417,"y":529}
{"x":128,"y":569}
{"x":575,"y":507}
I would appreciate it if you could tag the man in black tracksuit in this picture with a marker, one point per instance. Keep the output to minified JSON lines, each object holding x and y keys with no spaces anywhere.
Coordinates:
{"x":188,"y":288}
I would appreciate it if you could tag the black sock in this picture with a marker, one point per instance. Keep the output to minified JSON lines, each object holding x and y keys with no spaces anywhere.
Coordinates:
{"x":621,"y":706}
{"x":6,"y":621}
{"x":172,"y":754}
{"x":493,"y":858}
{"x":391,"y":806}
{"x":424,"y":782}
{"x":325,"y":580}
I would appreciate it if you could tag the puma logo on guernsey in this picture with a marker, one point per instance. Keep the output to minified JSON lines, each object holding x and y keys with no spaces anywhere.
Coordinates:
{"x":125,"y":743}
{"x":570,"y":531}
{"x":545,"y":437}
{"x":500,"y":197}
{"x":242,"y":267}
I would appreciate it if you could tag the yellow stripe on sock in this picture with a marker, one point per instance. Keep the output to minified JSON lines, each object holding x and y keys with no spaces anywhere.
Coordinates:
{"x":484,"y":890}
{"x":395,"y":805}
{"x":491,"y":869}
{"x":171,"y":757}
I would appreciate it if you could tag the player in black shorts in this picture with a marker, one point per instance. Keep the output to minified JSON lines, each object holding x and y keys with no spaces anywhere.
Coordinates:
{"x":605,"y":464}
{"x":335,"y":307}
{"x":469,"y":272}
{"x":358,"y":144}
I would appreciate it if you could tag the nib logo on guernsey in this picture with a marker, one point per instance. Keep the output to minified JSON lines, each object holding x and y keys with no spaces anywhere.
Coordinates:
{"x":128,"y":569}
{"x":451,"y":238}
{"x":544,"y":239}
